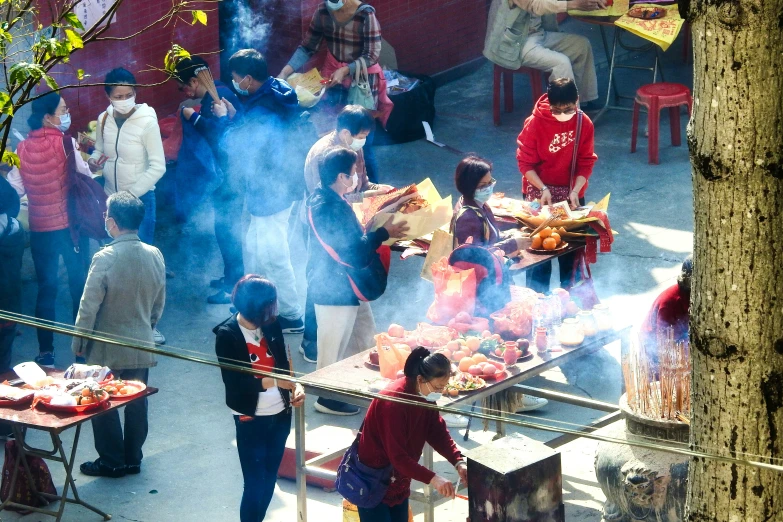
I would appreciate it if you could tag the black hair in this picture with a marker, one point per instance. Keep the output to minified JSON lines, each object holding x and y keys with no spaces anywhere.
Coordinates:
{"x":355,"y":119}
{"x":186,"y":69}
{"x":249,"y":61}
{"x":46,"y":104}
{"x":429,"y":366}
{"x":562,"y":91}
{"x":125,"y":209}
{"x":469,"y":173}
{"x":684,"y":279}
{"x":117,"y":77}
{"x":336,"y":160}
{"x":256,"y":299}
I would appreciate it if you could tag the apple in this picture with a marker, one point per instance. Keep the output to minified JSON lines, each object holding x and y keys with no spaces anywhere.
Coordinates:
{"x":453,"y":346}
{"x":499,"y":365}
{"x":523,"y":345}
{"x":463,"y":317}
{"x":473,"y":343}
{"x":395,"y":330}
{"x":458,"y":356}
{"x":486,"y":334}
{"x":498,"y":352}
{"x":490,"y":371}
{"x":374,"y":359}
{"x":475,"y":370}
{"x":497,"y":338}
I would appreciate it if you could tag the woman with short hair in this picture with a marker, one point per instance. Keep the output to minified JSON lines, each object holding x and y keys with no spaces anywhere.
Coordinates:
{"x":252,"y":339}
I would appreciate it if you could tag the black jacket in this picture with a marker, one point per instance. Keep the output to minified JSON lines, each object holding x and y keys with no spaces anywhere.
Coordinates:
{"x":242,"y":388}
{"x":337,"y":225}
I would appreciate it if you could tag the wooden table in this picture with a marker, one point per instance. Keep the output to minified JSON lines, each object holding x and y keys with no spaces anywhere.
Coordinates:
{"x":23,"y":418}
{"x":342,"y":379}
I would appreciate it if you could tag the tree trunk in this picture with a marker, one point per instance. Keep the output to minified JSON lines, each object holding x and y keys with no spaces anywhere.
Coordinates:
{"x":736,"y":146}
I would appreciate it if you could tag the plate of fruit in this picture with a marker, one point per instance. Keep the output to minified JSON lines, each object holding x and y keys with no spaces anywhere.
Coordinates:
{"x":464,"y":382}
{"x":547,"y":241}
{"x":81,"y":400}
{"x":120,"y":390}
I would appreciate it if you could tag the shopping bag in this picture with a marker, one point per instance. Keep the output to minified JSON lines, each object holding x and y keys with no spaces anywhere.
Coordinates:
{"x":441,"y":246}
{"x":23,"y":493}
{"x":391,"y":356}
{"x":583,"y":292}
{"x":455,"y":292}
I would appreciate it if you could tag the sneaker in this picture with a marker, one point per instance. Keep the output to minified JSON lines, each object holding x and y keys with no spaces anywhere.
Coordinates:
{"x":158,"y":337}
{"x":99,"y":469}
{"x":291,"y":326}
{"x":331,"y":407}
{"x":45,"y":359}
{"x":133,"y":469}
{"x":217,"y":283}
{"x":530,"y":403}
{"x":309,"y":351}
{"x":221,"y":297}
{"x":455,"y":421}
{"x":591,"y":106}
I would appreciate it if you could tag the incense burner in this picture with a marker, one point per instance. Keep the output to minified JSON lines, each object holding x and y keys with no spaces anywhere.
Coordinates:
{"x":641,"y":484}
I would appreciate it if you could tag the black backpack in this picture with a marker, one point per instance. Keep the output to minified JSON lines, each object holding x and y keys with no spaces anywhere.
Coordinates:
{"x":86,"y":200}
{"x":493,"y":280}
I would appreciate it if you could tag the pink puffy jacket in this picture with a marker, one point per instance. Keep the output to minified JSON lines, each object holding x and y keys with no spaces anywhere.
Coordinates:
{"x":44,"y":174}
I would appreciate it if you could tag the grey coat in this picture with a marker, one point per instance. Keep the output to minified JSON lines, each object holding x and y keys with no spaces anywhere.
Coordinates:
{"x":123,"y":296}
{"x":508,"y":27}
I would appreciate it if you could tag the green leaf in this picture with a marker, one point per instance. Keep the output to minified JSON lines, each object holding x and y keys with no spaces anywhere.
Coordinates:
{"x":21,"y":71}
{"x":51,"y":83}
{"x":80,"y":75}
{"x":6,"y":104}
{"x":74,"y":39}
{"x":74,"y":20}
{"x":199,"y":16}
{"x":11,"y":159}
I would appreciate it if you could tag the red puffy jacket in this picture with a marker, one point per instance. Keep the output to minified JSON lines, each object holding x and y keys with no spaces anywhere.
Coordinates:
{"x":44,"y":174}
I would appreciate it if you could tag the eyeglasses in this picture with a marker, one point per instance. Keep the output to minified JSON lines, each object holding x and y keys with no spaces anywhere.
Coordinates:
{"x":556,"y":112}
{"x":492,"y":182}
{"x":65,"y":110}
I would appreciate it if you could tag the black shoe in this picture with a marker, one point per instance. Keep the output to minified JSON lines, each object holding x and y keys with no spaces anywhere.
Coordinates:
{"x":217,"y":283}
{"x":291,"y":326}
{"x":221,"y":297}
{"x":133,"y":469}
{"x":45,"y":359}
{"x":99,"y":469}
{"x":591,"y":106}
{"x":309,"y":351}
{"x":331,"y":407}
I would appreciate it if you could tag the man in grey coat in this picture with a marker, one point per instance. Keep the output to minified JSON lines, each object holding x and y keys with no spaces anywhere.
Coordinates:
{"x":123,"y":297}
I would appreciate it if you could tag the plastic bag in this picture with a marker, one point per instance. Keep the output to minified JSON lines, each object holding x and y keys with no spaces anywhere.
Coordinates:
{"x":391,"y":356}
{"x":455,"y":292}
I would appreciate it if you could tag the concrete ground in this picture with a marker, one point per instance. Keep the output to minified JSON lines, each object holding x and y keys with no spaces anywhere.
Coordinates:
{"x":191,"y":470}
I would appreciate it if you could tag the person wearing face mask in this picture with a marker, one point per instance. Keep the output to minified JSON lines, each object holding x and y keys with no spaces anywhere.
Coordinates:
{"x":44,"y":173}
{"x":354,"y":124}
{"x":395,"y":433}
{"x":351,"y":32}
{"x":124,"y":297}
{"x":345,"y":323}
{"x":554,"y":166}
{"x":129,"y":148}
{"x":473,"y":219}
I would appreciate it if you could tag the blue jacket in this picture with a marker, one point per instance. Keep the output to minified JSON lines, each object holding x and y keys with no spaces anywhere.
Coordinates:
{"x":336,"y":224}
{"x":258,"y":148}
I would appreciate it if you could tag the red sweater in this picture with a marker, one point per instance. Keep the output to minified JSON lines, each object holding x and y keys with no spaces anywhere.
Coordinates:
{"x":546,"y":146}
{"x":670,"y":309}
{"x":395,"y":434}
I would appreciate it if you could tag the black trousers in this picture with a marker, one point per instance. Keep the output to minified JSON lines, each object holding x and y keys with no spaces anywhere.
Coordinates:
{"x":227,"y":206}
{"x":115,"y":448}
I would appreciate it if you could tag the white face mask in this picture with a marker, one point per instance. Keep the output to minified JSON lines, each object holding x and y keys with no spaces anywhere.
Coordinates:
{"x":335,"y":5}
{"x":564,"y":117}
{"x":124,"y":106}
{"x":357,"y":143}
{"x":432,"y":396}
{"x":354,"y":182}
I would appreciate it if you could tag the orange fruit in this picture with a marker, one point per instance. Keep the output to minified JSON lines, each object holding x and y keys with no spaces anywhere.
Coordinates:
{"x":550,"y":244}
{"x":479,"y":358}
{"x":473,"y":343}
{"x":545,"y":233}
{"x":537,"y":241}
{"x":556,"y":237}
{"x":561,"y":230}
{"x":466,"y":363}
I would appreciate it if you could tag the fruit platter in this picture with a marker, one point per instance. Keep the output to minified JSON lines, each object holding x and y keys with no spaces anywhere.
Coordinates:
{"x":464,"y":382}
{"x":548,"y":240}
{"x":71,"y":396}
{"x":123,"y":390}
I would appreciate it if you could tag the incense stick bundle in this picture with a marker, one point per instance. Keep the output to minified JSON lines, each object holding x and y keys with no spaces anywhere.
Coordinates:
{"x":205,"y":77}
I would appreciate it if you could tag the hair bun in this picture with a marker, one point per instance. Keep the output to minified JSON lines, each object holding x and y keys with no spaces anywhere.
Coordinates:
{"x":413,"y":364}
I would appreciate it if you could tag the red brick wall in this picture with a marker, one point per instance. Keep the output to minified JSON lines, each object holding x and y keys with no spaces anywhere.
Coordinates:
{"x":137,"y":55}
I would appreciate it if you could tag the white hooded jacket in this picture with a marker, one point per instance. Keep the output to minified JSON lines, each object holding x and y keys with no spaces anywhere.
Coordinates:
{"x":135,"y":150}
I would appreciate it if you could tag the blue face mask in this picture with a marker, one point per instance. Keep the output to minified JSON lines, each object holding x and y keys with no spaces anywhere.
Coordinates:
{"x":335,"y":5}
{"x":240,"y":90}
{"x":433,"y":396}
{"x":65,"y":122}
{"x":107,"y":229}
{"x":483,"y":195}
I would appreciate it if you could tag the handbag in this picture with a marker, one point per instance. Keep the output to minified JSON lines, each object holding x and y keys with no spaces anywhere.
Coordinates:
{"x":561,"y":192}
{"x":361,"y":485}
{"x":368,"y":283}
{"x":22,"y":492}
{"x":583,"y":292}
{"x":360,"y":92}
{"x":86,"y":200}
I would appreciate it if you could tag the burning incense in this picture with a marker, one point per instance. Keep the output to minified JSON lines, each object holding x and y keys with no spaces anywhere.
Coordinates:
{"x":205,"y":77}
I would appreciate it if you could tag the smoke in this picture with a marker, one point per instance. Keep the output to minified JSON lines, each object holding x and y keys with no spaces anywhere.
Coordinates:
{"x":250,"y":27}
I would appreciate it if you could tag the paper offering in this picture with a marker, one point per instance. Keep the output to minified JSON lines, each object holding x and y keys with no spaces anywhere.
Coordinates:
{"x":310,"y":81}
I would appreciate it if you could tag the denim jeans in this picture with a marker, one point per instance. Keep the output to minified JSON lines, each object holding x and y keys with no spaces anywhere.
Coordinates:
{"x":115,"y":448}
{"x":384,"y":513}
{"x":260,"y":444}
{"x":46,"y":249}
{"x":147,"y":228}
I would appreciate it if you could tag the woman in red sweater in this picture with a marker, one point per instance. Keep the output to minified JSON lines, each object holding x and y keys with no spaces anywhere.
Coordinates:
{"x":546,"y":157}
{"x":394,"y":434}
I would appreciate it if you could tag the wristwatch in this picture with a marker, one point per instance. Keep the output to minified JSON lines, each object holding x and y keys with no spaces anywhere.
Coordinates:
{"x":543,"y":188}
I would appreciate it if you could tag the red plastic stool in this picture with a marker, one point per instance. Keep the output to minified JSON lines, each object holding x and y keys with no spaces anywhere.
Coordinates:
{"x":501,"y":74}
{"x":656,"y":96}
